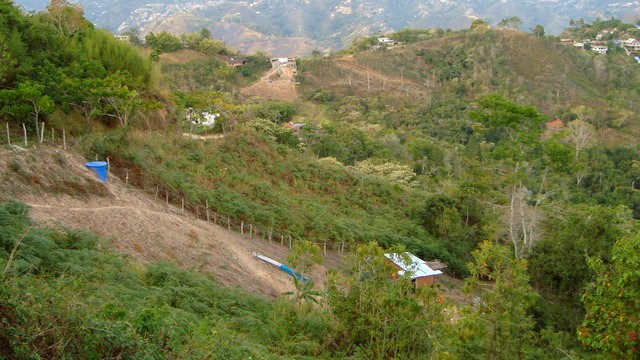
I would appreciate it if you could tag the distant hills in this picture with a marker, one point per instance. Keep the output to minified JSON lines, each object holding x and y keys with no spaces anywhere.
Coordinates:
{"x":332,"y":24}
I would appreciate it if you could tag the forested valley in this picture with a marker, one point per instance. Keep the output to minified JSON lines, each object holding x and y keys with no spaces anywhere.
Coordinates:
{"x":510,"y":157}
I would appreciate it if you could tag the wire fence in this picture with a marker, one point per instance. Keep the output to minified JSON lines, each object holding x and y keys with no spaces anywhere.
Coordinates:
{"x":24,"y":136}
{"x":205,"y":212}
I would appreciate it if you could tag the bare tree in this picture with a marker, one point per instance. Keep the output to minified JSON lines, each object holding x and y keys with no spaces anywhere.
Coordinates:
{"x":582,"y":135}
{"x":524,"y":218}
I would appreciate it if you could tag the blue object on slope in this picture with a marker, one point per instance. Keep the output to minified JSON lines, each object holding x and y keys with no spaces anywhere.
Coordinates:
{"x":100,"y":168}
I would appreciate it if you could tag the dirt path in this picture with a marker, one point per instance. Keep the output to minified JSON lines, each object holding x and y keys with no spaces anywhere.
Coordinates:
{"x":138,"y":226}
{"x":277,"y":84}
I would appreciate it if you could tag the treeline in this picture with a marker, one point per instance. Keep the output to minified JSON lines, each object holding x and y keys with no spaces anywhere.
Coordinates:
{"x":57,"y":61}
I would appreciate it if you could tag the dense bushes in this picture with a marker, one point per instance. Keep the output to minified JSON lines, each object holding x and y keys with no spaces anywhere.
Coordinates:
{"x":62,"y":296}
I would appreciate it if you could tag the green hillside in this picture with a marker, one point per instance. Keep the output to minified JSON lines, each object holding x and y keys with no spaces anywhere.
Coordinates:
{"x":439,"y":145}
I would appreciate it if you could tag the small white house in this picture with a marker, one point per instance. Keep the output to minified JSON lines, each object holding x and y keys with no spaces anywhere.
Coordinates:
{"x":602,"y":50}
{"x":386,"y":41}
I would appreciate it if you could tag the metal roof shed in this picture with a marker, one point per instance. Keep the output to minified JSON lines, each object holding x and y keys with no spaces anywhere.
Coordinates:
{"x":417,"y":268}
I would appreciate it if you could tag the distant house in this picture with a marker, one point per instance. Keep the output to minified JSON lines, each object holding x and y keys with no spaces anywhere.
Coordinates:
{"x":419,"y":271}
{"x":236,"y":62}
{"x":283,"y":62}
{"x":386,"y":41}
{"x":578,"y":45}
{"x":600,"y":49}
{"x":122,"y":37}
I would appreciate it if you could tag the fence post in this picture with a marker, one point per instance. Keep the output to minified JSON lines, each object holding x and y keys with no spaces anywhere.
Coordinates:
{"x":242,"y":227}
{"x":24,"y":131}
{"x":64,"y":140}
{"x":206,"y":202}
{"x":166,"y":195}
{"x":289,"y":242}
{"x":325,"y":249}
{"x":281,"y":240}
{"x":197,"y":212}
{"x":182,"y":206}
{"x":53,"y":135}
{"x":228,"y":223}
{"x":126,"y":178}
{"x":42,"y":133}
{"x":215,"y":218}
{"x":8,"y":134}
{"x":157,"y":189}
{"x":270,"y":233}
{"x":250,"y":230}
{"x":108,"y":166}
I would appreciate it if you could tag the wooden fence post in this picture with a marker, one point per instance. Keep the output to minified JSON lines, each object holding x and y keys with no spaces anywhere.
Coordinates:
{"x":206,"y":202}
{"x":166,"y":195}
{"x":281,"y":240}
{"x":126,"y":178}
{"x":8,"y":134}
{"x":250,"y":230}
{"x":42,"y":133}
{"x":64,"y":140}
{"x":270,"y":234}
{"x":108,"y":166}
{"x":182,"y":206}
{"x":289,"y":242}
{"x":242,"y":227}
{"x":24,"y":131}
{"x":215,"y":218}
{"x":53,"y":135}
{"x":197,"y":212}
{"x":157,"y":190}
{"x":228,"y":223}
{"x":325,"y":249}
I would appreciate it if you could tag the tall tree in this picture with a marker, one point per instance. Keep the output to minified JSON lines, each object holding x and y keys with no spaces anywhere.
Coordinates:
{"x":516,"y":131}
{"x":499,"y":325}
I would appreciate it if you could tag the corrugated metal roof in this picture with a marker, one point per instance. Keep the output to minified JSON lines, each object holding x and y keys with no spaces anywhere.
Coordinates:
{"x":413,"y":264}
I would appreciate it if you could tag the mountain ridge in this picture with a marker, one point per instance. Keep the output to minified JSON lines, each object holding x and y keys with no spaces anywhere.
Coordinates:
{"x":334,"y":24}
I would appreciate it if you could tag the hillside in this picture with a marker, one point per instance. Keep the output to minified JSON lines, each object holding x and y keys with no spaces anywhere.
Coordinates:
{"x":60,"y":190}
{"x":512,"y":158}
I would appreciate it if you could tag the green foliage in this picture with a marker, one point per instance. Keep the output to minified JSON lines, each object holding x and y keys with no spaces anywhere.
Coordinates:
{"x":500,"y":324}
{"x":611,"y":324}
{"x":61,"y":296}
{"x":559,"y":261}
{"x":380,"y":316}
{"x":303,"y":255}
{"x":164,"y":42}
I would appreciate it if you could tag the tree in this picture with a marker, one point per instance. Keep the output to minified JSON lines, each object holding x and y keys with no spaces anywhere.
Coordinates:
{"x":538,"y":31}
{"x":28,"y":95}
{"x":205,"y":33}
{"x":303,"y":255}
{"x":479,"y":24}
{"x":67,"y":17}
{"x":612,"y":303}
{"x":516,"y":131}
{"x":499,"y":325}
{"x":122,"y":102}
{"x":134,"y":36}
{"x":511,"y":23}
{"x":582,"y":135}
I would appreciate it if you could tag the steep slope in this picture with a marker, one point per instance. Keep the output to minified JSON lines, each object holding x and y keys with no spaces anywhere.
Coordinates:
{"x":61,"y":190}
